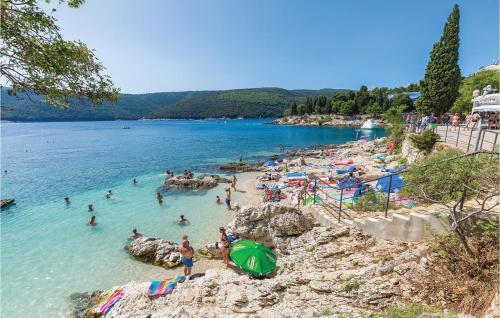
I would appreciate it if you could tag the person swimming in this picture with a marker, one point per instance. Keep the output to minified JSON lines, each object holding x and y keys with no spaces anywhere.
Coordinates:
{"x":110,"y":192}
{"x":66,"y":199}
{"x":182,"y":220}
{"x":91,"y":207}
{"x":108,"y":196}
{"x":92,"y":221}
{"x":217,"y":200}
{"x":134,"y":181}
{"x":135,"y":234}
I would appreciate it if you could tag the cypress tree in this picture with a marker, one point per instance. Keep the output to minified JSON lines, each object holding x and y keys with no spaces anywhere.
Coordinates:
{"x":439,"y":89}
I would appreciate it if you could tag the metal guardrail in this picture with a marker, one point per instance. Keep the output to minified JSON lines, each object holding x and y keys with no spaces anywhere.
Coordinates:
{"x":466,"y":138}
{"x":338,"y":210}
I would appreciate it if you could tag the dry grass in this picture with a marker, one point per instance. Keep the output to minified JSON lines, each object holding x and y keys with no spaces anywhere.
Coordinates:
{"x":459,"y":282}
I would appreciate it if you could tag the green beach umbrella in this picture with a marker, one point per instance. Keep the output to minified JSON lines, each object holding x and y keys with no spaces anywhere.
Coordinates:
{"x":253,"y":258}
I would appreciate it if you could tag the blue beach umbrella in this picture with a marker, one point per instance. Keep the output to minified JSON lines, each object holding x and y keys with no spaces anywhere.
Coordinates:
{"x":397,"y":184}
{"x":271,"y":163}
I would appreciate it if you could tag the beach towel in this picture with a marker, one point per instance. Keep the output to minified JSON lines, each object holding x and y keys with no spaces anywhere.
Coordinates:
{"x":346,"y":170}
{"x":346,"y":183}
{"x":350,"y":162}
{"x":112,"y":297}
{"x":296,"y":183}
{"x":163,"y":287}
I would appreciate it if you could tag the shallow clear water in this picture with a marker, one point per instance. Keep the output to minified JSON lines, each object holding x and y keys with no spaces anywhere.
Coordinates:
{"x":48,"y":252}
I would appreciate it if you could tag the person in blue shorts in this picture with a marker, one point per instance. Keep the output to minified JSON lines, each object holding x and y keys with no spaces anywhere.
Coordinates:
{"x":187,"y":253}
{"x":228,"y":198}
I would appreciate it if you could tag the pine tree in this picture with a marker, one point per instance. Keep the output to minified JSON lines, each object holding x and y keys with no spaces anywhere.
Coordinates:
{"x":439,"y":89}
{"x":361,"y":100}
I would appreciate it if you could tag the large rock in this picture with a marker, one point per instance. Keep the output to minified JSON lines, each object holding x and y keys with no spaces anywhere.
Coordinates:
{"x":411,"y":153}
{"x":82,"y":303}
{"x":238,"y":167}
{"x":155,"y":250}
{"x":270,"y":224}
{"x":216,"y":177}
{"x":205,"y":181}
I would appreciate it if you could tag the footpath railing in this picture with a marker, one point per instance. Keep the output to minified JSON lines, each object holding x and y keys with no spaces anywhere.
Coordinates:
{"x":466,"y":138}
{"x":335,"y":199}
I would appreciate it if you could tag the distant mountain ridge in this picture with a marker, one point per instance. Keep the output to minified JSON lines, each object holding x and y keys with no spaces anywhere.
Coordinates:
{"x":248,"y":103}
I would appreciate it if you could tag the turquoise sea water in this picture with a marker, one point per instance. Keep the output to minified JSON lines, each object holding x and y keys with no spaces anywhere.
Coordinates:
{"x":48,"y":252}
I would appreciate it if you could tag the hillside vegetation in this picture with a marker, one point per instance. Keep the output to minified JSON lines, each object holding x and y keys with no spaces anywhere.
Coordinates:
{"x":129,"y":106}
{"x":257,"y":102}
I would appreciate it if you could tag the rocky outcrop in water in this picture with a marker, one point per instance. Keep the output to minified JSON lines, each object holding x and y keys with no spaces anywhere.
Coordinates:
{"x":155,"y":251}
{"x":271,"y":224}
{"x":82,"y":303}
{"x":205,"y":181}
{"x":324,"y":120}
{"x":238,"y":167}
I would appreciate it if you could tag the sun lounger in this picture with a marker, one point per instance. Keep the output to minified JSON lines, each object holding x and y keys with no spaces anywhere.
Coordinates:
{"x":296,"y":176}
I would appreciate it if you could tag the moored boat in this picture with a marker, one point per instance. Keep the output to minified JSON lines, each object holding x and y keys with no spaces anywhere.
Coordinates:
{"x":6,"y":202}
{"x":370,"y":124}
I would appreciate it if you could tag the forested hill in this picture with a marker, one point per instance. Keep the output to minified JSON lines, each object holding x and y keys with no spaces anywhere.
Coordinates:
{"x":129,"y":106}
{"x":256,"y":102}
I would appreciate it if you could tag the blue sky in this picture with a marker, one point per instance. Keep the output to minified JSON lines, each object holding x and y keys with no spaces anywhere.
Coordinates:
{"x":150,"y":46}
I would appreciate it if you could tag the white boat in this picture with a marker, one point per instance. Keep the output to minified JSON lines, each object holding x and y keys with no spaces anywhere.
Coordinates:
{"x":370,"y":124}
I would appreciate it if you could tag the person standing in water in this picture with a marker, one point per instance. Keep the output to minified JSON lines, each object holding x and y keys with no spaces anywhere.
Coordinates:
{"x":187,"y":253}
{"x":217,"y":200}
{"x":91,"y":207}
{"x":135,"y":234}
{"x":159,"y":197}
{"x":228,"y":198}
{"x":66,"y":199}
{"x":92,"y":221}
{"x":134,"y":181}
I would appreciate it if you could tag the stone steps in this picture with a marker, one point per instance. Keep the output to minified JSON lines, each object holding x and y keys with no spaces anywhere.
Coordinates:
{"x":413,"y":226}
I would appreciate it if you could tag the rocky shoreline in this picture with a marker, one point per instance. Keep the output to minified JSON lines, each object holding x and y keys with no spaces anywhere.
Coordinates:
{"x":325,"y":120}
{"x":322,"y":270}
{"x":279,"y":226}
